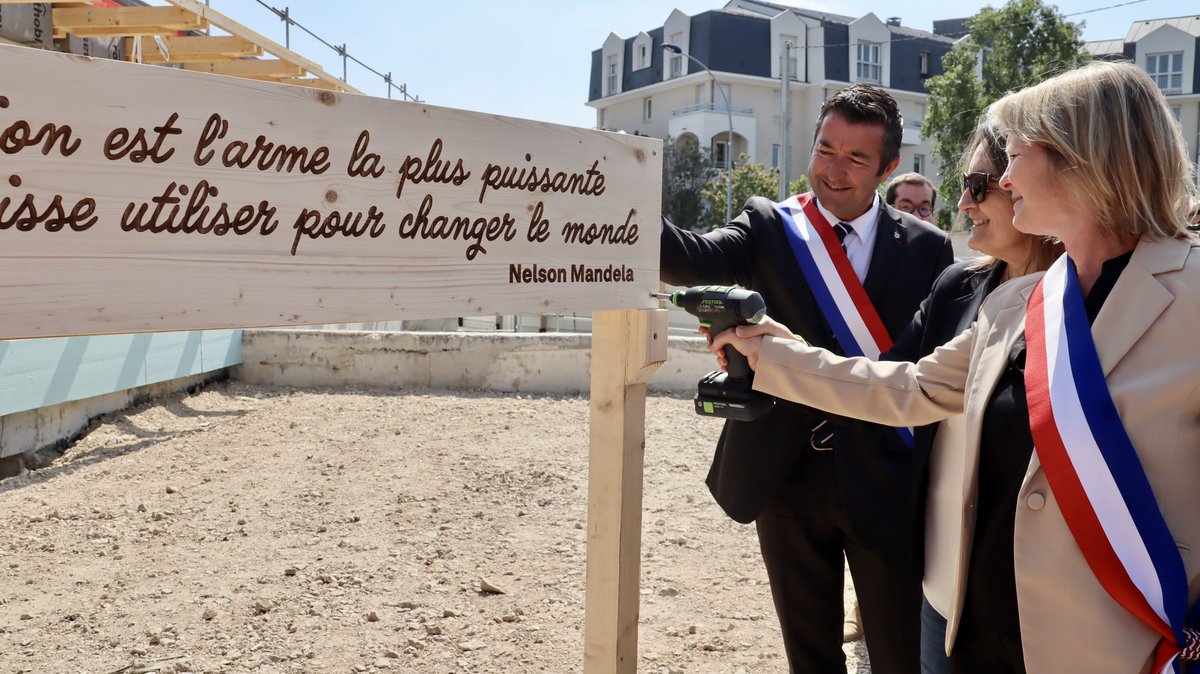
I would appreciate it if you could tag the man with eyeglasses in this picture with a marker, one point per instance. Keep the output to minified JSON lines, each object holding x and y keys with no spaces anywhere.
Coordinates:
{"x":913,"y":194}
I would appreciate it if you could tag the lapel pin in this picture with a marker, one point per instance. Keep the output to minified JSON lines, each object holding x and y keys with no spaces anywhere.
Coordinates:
{"x":896,"y":236}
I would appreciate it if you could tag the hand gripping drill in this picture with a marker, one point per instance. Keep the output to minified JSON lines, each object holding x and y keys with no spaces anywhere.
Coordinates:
{"x":725,"y":394}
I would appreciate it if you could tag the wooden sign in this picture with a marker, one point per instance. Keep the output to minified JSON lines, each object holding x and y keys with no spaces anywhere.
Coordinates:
{"x":137,"y":198}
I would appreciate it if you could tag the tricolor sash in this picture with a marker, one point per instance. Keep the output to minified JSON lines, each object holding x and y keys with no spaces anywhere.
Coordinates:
{"x":839,"y":293}
{"x":1093,"y":469}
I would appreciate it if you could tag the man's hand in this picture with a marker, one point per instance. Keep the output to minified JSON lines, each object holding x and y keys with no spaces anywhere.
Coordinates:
{"x":747,"y":339}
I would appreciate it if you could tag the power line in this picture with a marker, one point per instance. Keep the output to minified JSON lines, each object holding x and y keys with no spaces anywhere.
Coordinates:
{"x":341,"y":50}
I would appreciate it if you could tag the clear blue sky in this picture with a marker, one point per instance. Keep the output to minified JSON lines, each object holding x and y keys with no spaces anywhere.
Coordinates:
{"x":531,"y":58}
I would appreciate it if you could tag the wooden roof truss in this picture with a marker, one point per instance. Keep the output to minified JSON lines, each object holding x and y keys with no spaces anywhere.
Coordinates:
{"x":177,"y":27}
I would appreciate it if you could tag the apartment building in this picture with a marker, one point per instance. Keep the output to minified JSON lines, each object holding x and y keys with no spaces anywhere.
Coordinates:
{"x":636,"y":87}
{"x":1169,"y":50}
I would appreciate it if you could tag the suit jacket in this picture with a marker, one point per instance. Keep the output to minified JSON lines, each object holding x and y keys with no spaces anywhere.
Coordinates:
{"x":1145,"y":338}
{"x":754,"y":458}
{"x":937,"y":451}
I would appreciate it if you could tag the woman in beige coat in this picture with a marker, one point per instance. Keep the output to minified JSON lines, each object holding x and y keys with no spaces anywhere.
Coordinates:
{"x":1097,"y":161}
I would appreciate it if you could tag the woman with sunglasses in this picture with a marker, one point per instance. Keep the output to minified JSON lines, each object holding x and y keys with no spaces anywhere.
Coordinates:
{"x":1080,"y":391}
{"x":950,"y":309}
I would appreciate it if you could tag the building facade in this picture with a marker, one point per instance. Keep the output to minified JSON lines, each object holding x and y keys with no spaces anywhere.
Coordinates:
{"x":637,"y":87}
{"x":1169,"y":50}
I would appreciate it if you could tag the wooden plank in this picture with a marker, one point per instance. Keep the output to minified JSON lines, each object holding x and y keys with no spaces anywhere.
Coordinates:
{"x":627,"y":347}
{"x":41,"y":372}
{"x":234,"y":28}
{"x":195,"y":48}
{"x":131,"y":31}
{"x":311,"y":82}
{"x":248,"y":67}
{"x":385,"y":167}
{"x":103,"y":21}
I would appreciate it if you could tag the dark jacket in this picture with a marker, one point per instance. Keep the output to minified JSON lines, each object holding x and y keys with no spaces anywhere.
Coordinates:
{"x":753,"y":459}
{"x":951,"y":307}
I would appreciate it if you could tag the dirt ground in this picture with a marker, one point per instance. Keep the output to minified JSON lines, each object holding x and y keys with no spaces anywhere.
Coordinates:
{"x":275,"y":530}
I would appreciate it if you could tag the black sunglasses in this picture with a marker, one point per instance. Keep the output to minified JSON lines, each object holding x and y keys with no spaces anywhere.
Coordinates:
{"x":976,"y":184}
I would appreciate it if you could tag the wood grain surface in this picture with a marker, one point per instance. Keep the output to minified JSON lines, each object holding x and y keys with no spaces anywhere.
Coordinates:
{"x":348,"y":205}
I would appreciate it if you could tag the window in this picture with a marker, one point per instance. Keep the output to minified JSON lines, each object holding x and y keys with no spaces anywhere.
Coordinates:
{"x":869,"y":69}
{"x":1167,"y":71}
{"x":923,"y":64}
{"x":722,"y":98}
{"x":775,"y":156}
{"x":719,"y":149}
{"x":918,"y":163}
{"x":642,"y":53}
{"x":1177,"y":110}
{"x":791,"y":55}
{"x":612,"y":75}
{"x":647,"y":109}
{"x":676,"y":60}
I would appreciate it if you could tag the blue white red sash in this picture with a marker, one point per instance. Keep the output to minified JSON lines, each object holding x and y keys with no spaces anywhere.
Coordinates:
{"x":839,"y":293}
{"x":1092,"y":466}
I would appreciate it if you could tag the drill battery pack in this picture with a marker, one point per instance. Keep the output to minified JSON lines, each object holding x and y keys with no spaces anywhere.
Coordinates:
{"x":719,"y":396}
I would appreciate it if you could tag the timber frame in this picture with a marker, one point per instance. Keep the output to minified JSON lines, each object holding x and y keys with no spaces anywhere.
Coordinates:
{"x":180,"y":27}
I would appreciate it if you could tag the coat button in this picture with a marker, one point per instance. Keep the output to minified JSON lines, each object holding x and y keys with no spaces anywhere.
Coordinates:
{"x":1036,"y":501}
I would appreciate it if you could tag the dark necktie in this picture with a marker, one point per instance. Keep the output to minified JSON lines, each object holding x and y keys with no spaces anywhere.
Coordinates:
{"x":841,"y":229}
{"x":821,"y":437}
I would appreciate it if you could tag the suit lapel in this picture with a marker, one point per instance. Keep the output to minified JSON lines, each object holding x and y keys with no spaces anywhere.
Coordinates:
{"x":1007,"y":325}
{"x":1137,"y":299}
{"x":890,"y":238}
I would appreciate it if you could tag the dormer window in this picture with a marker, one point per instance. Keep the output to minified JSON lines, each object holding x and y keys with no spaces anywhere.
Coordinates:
{"x":612,"y":75}
{"x":675,"y":60}
{"x":869,"y":68}
{"x":793,"y":64}
{"x":1167,"y":71}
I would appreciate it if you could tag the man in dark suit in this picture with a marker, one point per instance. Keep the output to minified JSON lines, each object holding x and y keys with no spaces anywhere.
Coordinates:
{"x":815,"y":498}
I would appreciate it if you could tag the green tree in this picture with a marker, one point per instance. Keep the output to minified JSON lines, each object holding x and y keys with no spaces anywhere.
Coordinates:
{"x":749,"y":180}
{"x":799,"y":186}
{"x":686,"y":169}
{"x":1020,"y":44}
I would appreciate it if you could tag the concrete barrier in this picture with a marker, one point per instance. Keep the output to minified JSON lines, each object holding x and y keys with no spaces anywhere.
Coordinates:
{"x":518,"y":363}
{"x":524,"y":363}
{"x":36,"y":437}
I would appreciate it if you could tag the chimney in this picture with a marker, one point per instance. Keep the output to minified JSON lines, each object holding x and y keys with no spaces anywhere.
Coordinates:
{"x":893,"y":21}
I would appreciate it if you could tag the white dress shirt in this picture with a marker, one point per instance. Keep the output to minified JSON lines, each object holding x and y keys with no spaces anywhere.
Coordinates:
{"x":860,"y":240}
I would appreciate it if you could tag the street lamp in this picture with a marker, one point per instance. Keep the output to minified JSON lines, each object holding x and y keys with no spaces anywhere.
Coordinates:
{"x":676,"y":49}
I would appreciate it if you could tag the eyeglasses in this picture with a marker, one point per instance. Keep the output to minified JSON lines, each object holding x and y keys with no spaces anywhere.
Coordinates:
{"x":923,"y":210}
{"x":976,"y":184}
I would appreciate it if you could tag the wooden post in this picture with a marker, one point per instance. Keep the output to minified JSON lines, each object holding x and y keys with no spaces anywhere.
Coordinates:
{"x":627,"y":348}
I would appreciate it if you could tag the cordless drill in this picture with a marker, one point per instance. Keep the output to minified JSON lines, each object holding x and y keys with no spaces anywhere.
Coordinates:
{"x":725,"y":394}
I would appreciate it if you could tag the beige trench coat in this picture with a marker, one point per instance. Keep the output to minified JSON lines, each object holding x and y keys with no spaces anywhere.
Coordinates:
{"x":1148,"y":338}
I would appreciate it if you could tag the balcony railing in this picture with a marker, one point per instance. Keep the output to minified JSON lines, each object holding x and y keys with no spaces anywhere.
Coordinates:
{"x":711,"y":107}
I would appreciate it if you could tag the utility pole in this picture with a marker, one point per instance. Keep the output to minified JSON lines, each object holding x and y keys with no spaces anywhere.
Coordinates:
{"x":785,"y":95}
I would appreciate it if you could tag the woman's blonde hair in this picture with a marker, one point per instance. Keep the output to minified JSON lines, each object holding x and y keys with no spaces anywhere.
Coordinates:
{"x":1043,"y":250}
{"x":1121,"y":153}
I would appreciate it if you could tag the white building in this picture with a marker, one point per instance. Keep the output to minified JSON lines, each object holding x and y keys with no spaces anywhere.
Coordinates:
{"x":1169,"y":50}
{"x":637,"y":88}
